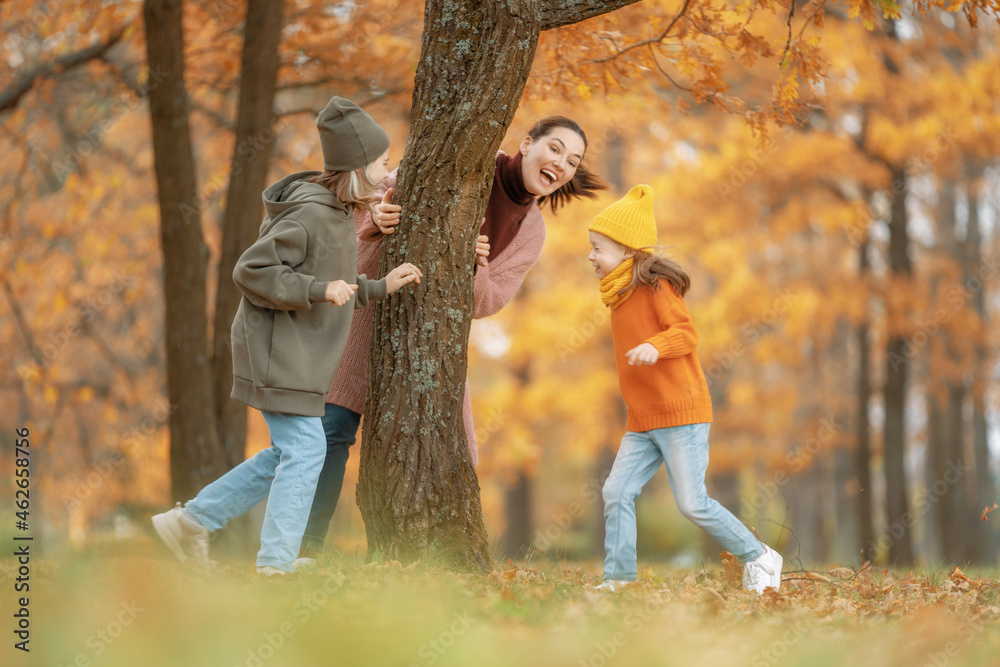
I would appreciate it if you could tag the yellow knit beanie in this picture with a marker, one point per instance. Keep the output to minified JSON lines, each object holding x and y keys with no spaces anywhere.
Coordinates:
{"x":629,"y":220}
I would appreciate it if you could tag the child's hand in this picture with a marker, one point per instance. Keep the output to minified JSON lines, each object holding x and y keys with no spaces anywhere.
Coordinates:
{"x":339,"y":292}
{"x":482,"y":250}
{"x":402,"y":274}
{"x":642,"y":355}
{"x":387,"y":213}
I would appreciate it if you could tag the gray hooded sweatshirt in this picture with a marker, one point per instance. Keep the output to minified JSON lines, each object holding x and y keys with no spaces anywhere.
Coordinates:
{"x":287,"y":339}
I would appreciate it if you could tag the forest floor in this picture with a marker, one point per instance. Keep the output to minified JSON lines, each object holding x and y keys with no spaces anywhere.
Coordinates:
{"x":133,"y":606}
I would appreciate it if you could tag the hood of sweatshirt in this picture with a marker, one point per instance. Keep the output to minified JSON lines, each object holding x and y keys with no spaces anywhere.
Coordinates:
{"x":290,"y":193}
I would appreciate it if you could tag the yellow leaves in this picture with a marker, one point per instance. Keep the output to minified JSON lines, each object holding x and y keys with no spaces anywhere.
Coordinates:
{"x":864,"y":9}
{"x":51,"y":394}
{"x":787,"y":88}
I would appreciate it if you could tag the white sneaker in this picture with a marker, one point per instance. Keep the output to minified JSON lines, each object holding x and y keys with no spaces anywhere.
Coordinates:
{"x":184,"y":536}
{"x":304,"y":564}
{"x":612,"y":585}
{"x":765,"y":572}
{"x":268,"y":571}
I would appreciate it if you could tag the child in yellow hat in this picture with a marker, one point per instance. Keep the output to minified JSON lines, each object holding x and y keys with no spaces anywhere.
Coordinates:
{"x":669,"y":407}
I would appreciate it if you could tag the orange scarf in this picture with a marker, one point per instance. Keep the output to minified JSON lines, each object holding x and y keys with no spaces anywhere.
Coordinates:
{"x":615,"y":282}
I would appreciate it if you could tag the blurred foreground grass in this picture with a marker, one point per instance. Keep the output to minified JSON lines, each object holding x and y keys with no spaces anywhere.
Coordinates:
{"x":133,"y":606}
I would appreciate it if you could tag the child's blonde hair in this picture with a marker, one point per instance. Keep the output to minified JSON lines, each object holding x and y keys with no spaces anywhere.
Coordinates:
{"x":351,"y":187}
{"x":651,"y":264}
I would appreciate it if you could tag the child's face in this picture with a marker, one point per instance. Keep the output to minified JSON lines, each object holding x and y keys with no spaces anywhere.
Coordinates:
{"x":606,"y":254}
{"x":379,"y":169}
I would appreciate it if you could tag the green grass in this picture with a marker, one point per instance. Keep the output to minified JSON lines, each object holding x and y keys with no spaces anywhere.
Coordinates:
{"x":131,"y":605}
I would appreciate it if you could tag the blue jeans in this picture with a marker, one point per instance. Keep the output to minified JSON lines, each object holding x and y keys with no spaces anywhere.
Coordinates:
{"x":341,"y":427}
{"x":285,"y":473}
{"x":685,"y":451}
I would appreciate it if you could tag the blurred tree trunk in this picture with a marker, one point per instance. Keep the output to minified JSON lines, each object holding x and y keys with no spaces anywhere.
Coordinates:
{"x":862,"y":463}
{"x":898,"y":518}
{"x":254,"y":141}
{"x":418,"y":490}
{"x":845,"y":544}
{"x":196,"y":457}
{"x":518,"y":504}
{"x":255,"y":121}
{"x":602,"y":468}
{"x":949,"y":486}
{"x":518,"y":498}
{"x":207,"y":428}
{"x":807,"y":504}
{"x":983,"y":547}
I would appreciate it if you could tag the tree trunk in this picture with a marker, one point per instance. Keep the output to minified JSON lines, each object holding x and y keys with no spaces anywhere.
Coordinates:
{"x":845,"y":546}
{"x":520,"y":526}
{"x":195,"y":455}
{"x":983,"y":536}
{"x":863,"y":456}
{"x":417,"y":489}
{"x":899,"y":520}
{"x":244,"y":208}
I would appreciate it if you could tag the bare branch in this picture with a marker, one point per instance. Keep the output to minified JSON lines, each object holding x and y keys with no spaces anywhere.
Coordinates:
{"x":13,"y":93}
{"x":557,"y":13}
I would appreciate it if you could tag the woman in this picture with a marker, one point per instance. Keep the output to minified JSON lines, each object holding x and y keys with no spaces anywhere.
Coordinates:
{"x":547,"y":169}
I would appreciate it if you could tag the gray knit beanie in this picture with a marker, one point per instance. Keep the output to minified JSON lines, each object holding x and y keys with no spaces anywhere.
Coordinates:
{"x":349,"y":137}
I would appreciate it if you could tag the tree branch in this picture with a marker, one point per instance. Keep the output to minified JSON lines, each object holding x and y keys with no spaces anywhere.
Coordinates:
{"x":557,"y":13}
{"x":13,"y":93}
{"x":654,"y":40}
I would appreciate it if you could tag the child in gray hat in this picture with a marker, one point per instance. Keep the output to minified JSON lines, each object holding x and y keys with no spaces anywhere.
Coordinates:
{"x":288,"y":338}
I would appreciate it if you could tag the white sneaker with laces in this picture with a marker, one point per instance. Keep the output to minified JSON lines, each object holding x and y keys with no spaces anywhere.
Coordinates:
{"x":184,"y":536}
{"x":765,"y":572}
{"x":268,"y":571}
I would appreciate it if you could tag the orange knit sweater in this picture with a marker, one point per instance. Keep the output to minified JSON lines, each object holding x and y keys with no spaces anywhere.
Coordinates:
{"x":673,"y":391}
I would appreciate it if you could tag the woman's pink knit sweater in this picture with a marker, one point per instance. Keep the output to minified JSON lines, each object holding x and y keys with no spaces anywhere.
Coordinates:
{"x":495,"y":285}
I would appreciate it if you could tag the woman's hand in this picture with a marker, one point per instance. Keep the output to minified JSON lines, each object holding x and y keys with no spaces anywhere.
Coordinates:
{"x":482,"y":250}
{"x":642,"y":355}
{"x":402,"y":274}
{"x":339,"y":292}
{"x":387,"y":213}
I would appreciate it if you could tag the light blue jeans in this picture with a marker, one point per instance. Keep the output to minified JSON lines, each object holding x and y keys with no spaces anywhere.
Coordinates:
{"x":285,"y":473}
{"x":684,"y":449}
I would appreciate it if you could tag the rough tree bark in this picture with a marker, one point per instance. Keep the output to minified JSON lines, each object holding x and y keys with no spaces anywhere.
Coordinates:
{"x":195,"y":455}
{"x":418,"y":491}
{"x":244,"y":208}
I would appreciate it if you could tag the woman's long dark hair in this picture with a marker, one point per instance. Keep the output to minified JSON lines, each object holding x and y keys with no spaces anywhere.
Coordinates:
{"x":584,"y":183}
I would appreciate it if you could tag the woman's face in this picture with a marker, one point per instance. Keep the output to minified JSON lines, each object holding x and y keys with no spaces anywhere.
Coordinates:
{"x":550,"y":161}
{"x":378,"y":170}
{"x":606,"y":255}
